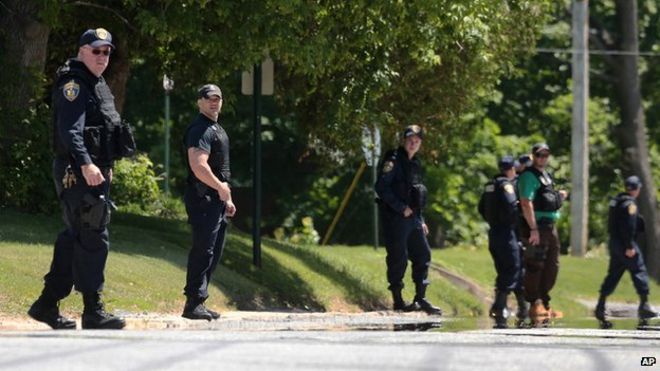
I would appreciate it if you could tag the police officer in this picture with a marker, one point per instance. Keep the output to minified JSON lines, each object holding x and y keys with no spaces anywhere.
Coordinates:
{"x":540,"y":204}
{"x":207,"y":197}
{"x":625,"y":255}
{"x":499,"y":207}
{"x":88,"y":137}
{"x":402,"y":196}
{"x":524,"y":161}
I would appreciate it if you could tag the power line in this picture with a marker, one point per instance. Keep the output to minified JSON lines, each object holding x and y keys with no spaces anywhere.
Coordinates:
{"x":597,"y":52}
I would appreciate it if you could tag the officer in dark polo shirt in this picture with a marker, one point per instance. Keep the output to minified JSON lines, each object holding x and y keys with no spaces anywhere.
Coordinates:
{"x":207,"y":198}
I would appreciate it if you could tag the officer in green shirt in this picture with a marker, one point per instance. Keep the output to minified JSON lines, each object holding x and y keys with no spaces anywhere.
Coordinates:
{"x":540,"y":204}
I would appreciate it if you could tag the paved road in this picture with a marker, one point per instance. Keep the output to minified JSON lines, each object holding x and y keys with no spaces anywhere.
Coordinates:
{"x":541,"y":349}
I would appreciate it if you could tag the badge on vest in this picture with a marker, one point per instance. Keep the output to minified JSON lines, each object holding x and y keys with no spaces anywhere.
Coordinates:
{"x":71,"y":90}
{"x":389,"y":165}
{"x":632,"y":209}
{"x":545,"y":180}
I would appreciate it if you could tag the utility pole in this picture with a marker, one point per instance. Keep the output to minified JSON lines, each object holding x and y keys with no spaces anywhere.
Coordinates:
{"x":580,"y":129}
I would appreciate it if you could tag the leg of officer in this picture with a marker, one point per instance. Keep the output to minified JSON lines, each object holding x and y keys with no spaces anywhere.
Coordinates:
{"x":640,"y":278}
{"x":419,"y":253}
{"x":218,"y":249}
{"x":58,"y":282}
{"x":90,"y":254}
{"x":550,"y":241}
{"x":395,"y":233}
{"x":206,"y":221}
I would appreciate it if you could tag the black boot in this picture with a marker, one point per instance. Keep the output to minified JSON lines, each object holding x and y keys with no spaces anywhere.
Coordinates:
{"x":645,"y":311}
{"x":195,"y":309}
{"x":397,"y":299}
{"x":599,"y":313}
{"x":94,"y":315}
{"x":46,"y":310}
{"x":523,"y":309}
{"x":420,"y":302}
{"x":499,"y":311}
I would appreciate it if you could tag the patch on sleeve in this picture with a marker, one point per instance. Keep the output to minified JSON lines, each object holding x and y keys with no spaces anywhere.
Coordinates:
{"x":71,"y":90}
{"x":508,"y":188}
{"x":388,"y":166}
{"x":632,"y":209}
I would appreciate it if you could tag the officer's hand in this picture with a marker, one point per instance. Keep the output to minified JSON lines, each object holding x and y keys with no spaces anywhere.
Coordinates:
{"x":425,"y":229}
{"x":563,"y":194}
{"x":92,"y":175}
{"x":224,"y":192}
{"x":630,"y":253}
{"x":230,"y":208}
{"x":534,"y":238}
{"x":407,"y":212}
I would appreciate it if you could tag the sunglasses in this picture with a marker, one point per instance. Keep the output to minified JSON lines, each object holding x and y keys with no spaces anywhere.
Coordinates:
{"x":99,"y":51}
{"x":543,"y":155}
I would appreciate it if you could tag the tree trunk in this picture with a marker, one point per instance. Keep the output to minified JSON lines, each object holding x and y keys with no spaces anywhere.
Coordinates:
{"x":25,"y":42}
{"x":632,"y":131}
{"x":118,"y":72}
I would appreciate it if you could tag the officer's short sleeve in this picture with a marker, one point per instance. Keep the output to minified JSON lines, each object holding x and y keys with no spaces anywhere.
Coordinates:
{"x":199,"y":137}
{"x":528,"y":185}
{"x":70,"y":100}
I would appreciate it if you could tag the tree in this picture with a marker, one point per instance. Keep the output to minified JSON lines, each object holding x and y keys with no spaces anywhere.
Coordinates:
{"x":632,"y":129}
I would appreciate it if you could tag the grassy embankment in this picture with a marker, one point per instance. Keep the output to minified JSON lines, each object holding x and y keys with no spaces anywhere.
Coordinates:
{"x":146,"y":271}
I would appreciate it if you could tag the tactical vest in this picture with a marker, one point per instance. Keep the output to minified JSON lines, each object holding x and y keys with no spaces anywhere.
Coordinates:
{"x":615,"y":205}
{"x":105,"y":136}
{"x":547,"y":199}
{"x":491,"y":205}
{"x":217,"y":162}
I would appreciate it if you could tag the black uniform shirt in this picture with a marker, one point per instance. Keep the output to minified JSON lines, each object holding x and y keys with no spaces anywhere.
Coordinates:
{"x":623,"y":220}
{"x":74,"y":107}
{"x":207,"y":135}
{"x":398,"y":176}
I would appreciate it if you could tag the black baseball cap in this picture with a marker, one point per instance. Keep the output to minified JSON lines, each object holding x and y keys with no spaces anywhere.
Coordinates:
{"x":413,"y":130}
{"x":633,"y":183}
{"x":208,"y":90}
{"x":525,"y":160}
{"x":506,"y":163}
{"x":96,"y":37}
{"x":539,"y":147}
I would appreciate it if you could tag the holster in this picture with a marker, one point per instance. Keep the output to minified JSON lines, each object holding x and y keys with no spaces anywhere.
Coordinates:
{"x":94,"y":211}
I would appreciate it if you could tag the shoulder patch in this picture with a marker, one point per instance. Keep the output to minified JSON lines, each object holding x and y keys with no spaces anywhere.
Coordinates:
{"x":490,"y":188}
{"x":71,"y":90}
{"x":508,"y":188}
{"x":388,"y":166}
{"x":632,"y":209}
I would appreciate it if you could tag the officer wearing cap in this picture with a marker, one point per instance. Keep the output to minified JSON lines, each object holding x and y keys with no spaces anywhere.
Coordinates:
{"x":207,"y":197}
{"x":540,"y":204}
{"x":499,"y":207}
{"x":88,"y":135}
{"x":625,"y":255}
{"x":524,"y":161}
{"x":402,"y":197}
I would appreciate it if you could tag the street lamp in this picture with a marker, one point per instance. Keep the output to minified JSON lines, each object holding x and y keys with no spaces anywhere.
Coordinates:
{"x":168,"y":85}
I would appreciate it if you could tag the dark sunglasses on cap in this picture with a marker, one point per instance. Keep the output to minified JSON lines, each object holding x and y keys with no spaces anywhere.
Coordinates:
{"x":99,"y":51}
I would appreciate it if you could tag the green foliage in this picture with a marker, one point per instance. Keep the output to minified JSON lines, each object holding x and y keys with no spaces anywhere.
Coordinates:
{"x":305,"y":234}
{"x":134,"y":181}
{"x":25,"y":160}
